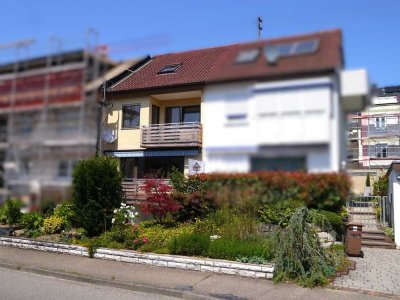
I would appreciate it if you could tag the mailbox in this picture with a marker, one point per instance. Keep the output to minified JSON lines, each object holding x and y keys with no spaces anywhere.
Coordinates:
{"x":353,"y":239}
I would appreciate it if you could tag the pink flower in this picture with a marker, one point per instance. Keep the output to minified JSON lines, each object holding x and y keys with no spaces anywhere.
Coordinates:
{"x":136,"y":241}
{"x":145,"y":239}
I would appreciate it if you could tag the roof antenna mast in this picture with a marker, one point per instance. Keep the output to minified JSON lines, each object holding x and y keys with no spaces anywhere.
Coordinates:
{"x":259,"y":19}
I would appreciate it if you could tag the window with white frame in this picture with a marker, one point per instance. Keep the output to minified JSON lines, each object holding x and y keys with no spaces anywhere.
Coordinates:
{"x":381,"y":150}
{"x":380,"y":123}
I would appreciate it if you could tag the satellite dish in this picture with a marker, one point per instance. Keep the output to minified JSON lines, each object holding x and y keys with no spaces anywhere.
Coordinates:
{"x":271,"y":54}
{"x":109,"y":136}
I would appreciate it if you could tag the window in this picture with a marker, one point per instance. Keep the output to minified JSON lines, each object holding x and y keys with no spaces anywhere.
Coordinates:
{"x":63,"y":168}
{"x":236,"y":108}
{"x":191,"y":114}
{"x":131,"y":116}
{"x":380,"y":123}
{"x":247,"y":56}
{"x":185,"y":114}
{"x":381,"y":150}
{"x":278,"y":163}
{"x":169,"y":69}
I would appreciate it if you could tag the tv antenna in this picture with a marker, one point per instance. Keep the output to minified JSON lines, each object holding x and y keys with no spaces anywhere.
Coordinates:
{"x":259,"y":21}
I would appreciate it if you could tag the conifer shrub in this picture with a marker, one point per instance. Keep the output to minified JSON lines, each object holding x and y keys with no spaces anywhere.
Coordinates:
{"x":299,"y":255}
{"x":97,"y":191}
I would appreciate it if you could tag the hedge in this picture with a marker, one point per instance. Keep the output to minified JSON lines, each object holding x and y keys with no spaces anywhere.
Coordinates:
{"x":323,"y":191}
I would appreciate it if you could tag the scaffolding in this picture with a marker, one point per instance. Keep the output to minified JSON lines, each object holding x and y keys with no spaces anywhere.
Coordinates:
{"x":48,"y":118}
{"x":374,"y":138}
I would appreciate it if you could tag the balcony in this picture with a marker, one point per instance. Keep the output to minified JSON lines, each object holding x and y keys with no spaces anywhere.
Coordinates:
{"x":171,"y":135}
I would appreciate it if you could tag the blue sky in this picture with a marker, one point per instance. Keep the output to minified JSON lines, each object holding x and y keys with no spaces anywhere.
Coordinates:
{"x":371,"y":27}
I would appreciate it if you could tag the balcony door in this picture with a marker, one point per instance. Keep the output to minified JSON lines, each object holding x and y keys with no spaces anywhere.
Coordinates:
{"x":183,"y":114}
{"x":155,"y":114}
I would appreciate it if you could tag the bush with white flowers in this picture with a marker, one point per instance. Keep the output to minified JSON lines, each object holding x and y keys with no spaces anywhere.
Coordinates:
{"x":125,"y":215}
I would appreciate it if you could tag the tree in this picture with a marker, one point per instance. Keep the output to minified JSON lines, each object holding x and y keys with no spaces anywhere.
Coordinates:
{"x":368,"y":181}
{"x":159,"y":202}
{"x":97,"y":191}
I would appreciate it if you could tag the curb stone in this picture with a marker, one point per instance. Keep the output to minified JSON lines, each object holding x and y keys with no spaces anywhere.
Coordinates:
{"x":170,"y":261}
{"x":177,"y":293}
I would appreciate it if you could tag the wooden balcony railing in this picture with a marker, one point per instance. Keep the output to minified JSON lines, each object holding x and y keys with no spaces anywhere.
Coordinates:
{"x":171,"y":135}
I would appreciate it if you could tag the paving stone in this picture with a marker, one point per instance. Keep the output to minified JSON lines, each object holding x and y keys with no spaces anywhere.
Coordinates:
{"x":378,"y":271}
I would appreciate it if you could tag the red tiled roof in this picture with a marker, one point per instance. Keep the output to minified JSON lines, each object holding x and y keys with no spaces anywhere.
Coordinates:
{"x":217,"y":64}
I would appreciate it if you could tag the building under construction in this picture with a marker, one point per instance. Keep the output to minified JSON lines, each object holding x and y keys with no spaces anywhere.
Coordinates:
{"x":374,"y":134}
{"x":49,"y":120}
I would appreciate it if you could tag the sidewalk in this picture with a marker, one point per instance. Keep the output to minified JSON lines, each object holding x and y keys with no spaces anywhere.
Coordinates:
{"x":173,"y":282}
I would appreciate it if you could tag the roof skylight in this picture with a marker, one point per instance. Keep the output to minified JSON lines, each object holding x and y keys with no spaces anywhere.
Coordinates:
{"x":273,"y":52}
{"x":169,"y":69}
{"x":247,"y":56}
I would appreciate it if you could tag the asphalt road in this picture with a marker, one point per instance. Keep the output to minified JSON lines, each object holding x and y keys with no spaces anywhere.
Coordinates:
{"x":22,"y":285}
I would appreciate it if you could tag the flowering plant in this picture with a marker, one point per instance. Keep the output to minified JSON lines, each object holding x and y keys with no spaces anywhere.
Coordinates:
{"x":215,"y":237}
{"x":137,"y":239}
{"x":125,"y":215}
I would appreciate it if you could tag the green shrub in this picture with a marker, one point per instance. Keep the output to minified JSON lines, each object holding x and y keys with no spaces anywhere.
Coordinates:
{"x":229,"y":223}
{"x":53,"y":224}
{"x":381,"y":185}
{"x":47,"y":206}
{"x":234,"y":249}
{"x":12,"y":211}
{"x":328,"y":220}
{"x":3,"y":218}
{"x":64,"y":210}
{"x":32,"y":220}
{"x":97,"y":191}
{"x":190,"y":244}
{"x":192,"y":195}
{"x":159,"y":237}
{"x":299,"y":255}
{"x":278,"y":214}
{"x":389,"y":232}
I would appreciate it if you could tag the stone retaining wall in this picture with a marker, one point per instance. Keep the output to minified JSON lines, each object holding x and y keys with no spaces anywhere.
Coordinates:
{"x":161,"y":260}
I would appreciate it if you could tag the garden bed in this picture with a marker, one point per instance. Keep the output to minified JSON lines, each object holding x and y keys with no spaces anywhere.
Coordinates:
{"x":168,"y":261}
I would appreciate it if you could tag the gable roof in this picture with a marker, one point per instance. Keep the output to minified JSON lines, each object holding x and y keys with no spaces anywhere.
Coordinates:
{"x":212,"y":65}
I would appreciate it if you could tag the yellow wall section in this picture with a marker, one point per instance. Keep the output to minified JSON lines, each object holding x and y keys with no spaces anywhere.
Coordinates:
{"x":127,"y":139}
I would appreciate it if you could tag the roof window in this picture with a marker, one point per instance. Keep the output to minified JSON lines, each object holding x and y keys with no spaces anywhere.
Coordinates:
{"x":247,"y":56}
{"x":274,"y":52}
{"x":169,"y":69}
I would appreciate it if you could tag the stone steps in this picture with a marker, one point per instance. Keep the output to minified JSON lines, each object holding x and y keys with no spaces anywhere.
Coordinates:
{"x":378,"y":244}
{"x":376,"y":239}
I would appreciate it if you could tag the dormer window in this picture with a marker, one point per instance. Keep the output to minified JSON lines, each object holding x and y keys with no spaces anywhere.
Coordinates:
{"x":168,"y":69}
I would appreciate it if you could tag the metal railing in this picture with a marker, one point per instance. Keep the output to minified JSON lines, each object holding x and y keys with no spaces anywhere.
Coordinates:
{"x":370,"y":211}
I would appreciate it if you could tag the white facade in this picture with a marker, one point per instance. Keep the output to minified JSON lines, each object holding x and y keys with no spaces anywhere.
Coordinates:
{"x":394,"y":202}
{"x":251,"y":125}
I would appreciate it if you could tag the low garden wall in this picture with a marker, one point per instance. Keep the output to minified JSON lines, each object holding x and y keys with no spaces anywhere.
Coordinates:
{"x":161,"y":260}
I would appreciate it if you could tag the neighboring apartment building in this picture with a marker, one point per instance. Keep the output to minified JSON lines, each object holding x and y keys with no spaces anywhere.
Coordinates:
{"x":374,"y":134}
{"x":263,"y":105}
{"x":48,"y":119}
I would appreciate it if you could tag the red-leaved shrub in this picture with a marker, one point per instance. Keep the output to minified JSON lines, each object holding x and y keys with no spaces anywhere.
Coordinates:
{"x":325,"y":191}
{"x":159,"y":202}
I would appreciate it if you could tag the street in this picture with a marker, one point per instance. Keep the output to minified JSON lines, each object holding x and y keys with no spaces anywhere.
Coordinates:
{"x":22,"y":285}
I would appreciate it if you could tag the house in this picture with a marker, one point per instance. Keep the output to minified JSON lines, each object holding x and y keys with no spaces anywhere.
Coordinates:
{"x":48,"y":120}
{"x":263,"y":105}
{"x":374,"y":136}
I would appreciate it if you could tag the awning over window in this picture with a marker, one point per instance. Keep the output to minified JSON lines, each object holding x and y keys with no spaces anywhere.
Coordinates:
{"x":152,"y":153}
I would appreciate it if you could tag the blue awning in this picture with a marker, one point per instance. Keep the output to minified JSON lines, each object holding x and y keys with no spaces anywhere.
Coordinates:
{"x":152,"y":153}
